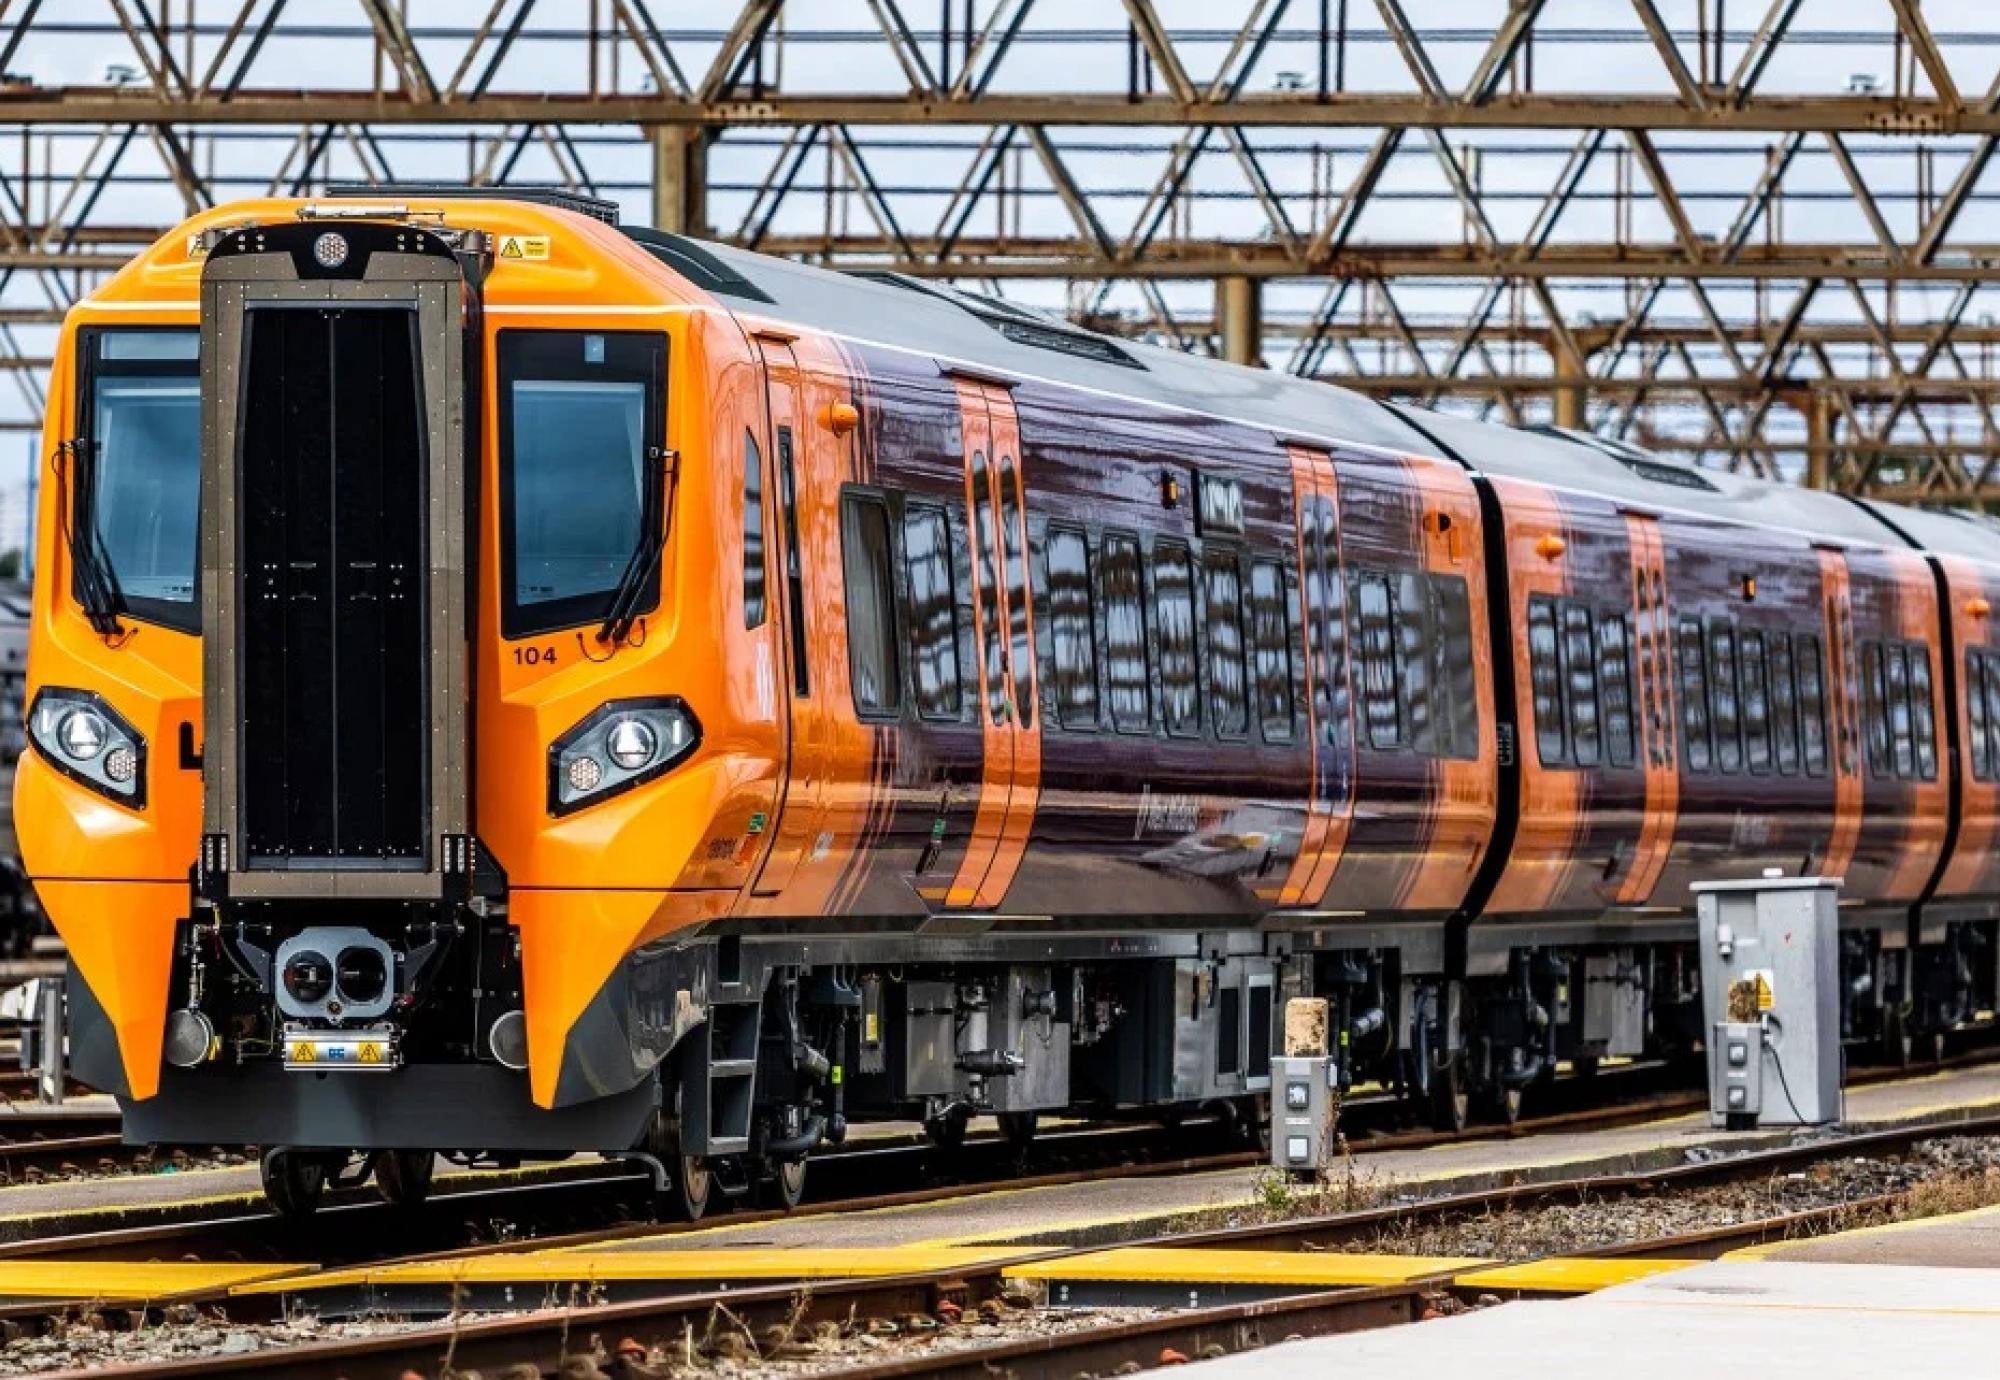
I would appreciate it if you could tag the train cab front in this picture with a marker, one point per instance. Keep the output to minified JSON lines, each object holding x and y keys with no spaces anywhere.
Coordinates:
{"x":343,"y":974}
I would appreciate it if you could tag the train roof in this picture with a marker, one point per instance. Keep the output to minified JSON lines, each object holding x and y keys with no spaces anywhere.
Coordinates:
{"x":1011,"y":340}
{"x":1593,"y":464}
{"x":1947,"y":531}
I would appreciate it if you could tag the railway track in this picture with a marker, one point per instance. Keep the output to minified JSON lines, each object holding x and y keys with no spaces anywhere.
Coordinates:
{"x":594,"y":1201}
{"x":546,"y":1339}
{"x":575,"y":1201}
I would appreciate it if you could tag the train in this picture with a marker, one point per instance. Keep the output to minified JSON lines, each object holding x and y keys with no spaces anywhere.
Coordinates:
{"x":506,"y":683}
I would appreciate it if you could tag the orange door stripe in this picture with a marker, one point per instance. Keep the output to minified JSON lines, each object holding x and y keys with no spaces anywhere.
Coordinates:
{"x":996,"y":739}
{"x":1843,"y":734}
{"x":1024,"y":722}
{"x":1323,"y":838}
{"x":1646,"y":650}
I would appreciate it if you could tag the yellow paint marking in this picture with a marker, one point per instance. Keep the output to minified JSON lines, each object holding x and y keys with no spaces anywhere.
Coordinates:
{"x":1568,"y":1274}
{"x":1185,"y":1265}
{"x":584,"y":1267}
{"x":118,"y":1279}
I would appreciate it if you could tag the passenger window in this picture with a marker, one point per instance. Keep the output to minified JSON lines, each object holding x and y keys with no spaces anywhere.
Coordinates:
{"x":1614,"y":675}
{"x":1125,"y":637}
{"x":1992,"y":683}
{"x":1756,"y":705}
{"x":1784,"y":706}
{"x":1228,"y":692}
{"x":873,"y":643}
{"x":1723,"y":703}
{"x":933,"y":612}
{"x":795,"y":580}
{"x":1072,"y":628}
{"x":992,"y":647}
{"x":1326,"y":626}
{"x":1923,"y":714}
{"x":1415,"y":690}
{"x":1874,"y":699}
{"x":1376,"y":616}
{"x":580,"y":422}
{"x":1975,"y":713}
{"x":1812,"y":704}
{"x":1273,"y":633}
{"x":1013,"y":543}
{"x":1173,"y":599}
{"x":1694,"y":696}
{"x":753,"y":533}
{"x":1580,"y":678}
{"x":1454,"y":678}
{"x":1545,"y":672}
{"x":1902,"y":747}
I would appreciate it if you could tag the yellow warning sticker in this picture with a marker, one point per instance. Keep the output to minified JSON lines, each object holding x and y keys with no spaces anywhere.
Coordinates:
{"x":370,"y":1052}
{"x":524,"y":247}
{"x":1766,"y":998}
{"x":304,"y":1052}
{"x":197,"y":245}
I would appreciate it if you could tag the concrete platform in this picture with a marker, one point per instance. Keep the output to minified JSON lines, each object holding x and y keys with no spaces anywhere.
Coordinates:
{"x":1966,"y":1240}
{"x":1775,"y":1320}
{"x":1120,"y":1210}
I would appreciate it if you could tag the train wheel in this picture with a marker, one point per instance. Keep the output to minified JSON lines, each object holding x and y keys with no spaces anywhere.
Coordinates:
{"x":294,"y":1181}
{"x":404,"y":1177}
{"x":947,"y":1132}
{"x":786,"y":1186}
{"x":1450,"y":1099}
{"x":1017,"y":1130}
{"x":688,"y":1194}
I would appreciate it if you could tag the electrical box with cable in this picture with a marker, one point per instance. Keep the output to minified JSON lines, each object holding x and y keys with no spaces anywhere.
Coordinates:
{"x":1769,"y":972}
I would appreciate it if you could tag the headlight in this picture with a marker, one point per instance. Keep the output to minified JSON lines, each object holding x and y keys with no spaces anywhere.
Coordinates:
{"x":82,"y":737}
{"x":624,"y":744}
{"x":81,"y":733}
{"x":632,"y":743}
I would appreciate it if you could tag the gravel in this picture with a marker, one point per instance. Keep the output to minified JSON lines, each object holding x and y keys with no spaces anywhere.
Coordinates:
{"x":84,"y":1342}
{"x":1938,"y":1176}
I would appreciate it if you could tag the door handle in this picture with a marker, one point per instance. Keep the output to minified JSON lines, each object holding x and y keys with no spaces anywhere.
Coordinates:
{"x":191,"y":760}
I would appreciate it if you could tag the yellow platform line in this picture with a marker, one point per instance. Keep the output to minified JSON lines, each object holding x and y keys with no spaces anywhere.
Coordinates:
{"x":572,"y":1266}
{"x":121,"y":1279}
{"x":1567,"y":1274}
{"x":1188,"y":1265}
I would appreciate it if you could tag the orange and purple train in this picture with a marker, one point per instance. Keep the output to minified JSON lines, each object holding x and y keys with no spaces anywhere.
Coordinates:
{"x":504,"y":683}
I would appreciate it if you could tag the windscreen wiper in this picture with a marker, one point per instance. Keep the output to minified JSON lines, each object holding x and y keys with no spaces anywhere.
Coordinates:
{"x":96,"y":582}
{"x":645,"y":559}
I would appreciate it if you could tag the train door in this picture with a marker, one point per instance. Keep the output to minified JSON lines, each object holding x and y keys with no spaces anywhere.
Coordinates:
{"x":1843,"y":702}
{"x":1650,"y":656}
{"x":1329,"y":699}
{"x":808,"y":736}
{"x":996,"y":528}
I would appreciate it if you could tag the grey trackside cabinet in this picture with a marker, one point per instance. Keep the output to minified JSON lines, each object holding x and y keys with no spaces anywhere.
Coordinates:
{"x":1769,"y":964}
{"x":1305,"y":1102}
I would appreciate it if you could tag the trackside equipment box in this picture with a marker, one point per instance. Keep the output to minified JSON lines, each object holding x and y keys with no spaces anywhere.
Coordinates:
{"x":1770,"y":953}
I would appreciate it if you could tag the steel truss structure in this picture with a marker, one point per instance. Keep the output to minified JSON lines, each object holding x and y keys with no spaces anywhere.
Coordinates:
{"x":1756,"y":234}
